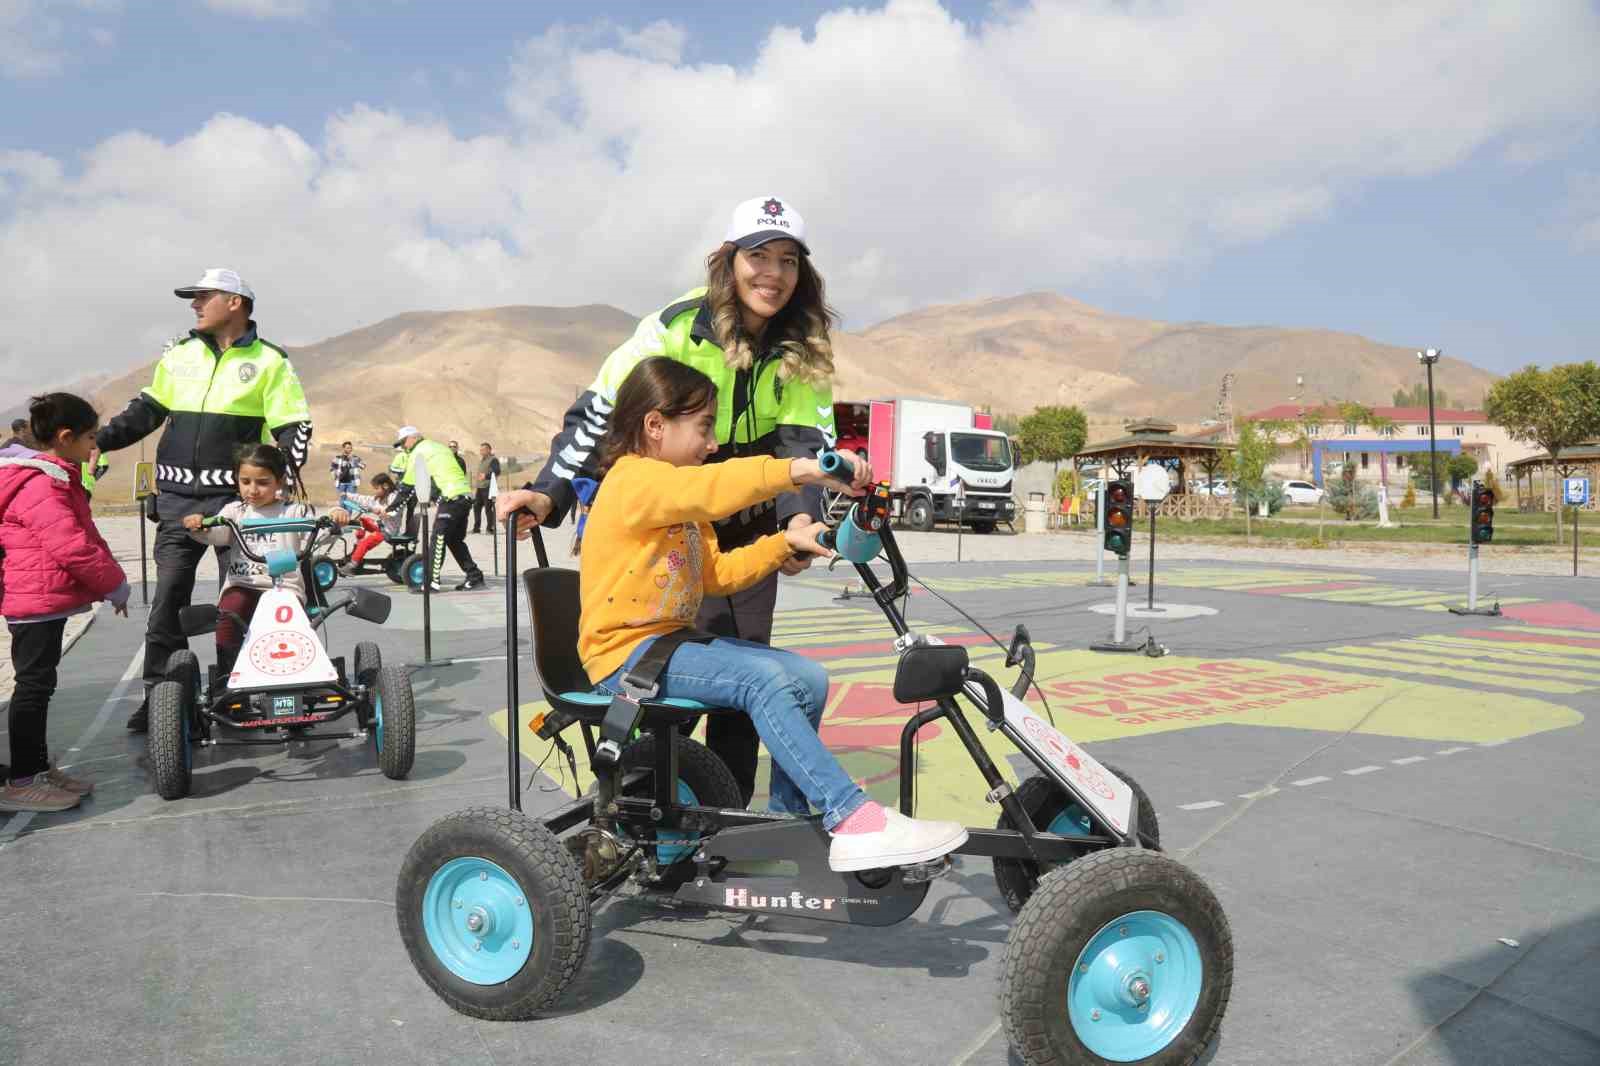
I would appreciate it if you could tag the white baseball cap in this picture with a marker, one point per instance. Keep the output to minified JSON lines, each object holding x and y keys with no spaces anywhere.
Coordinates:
{"x":218,"y":279}
{"x":404,"y":432}
{"x":766,"y":218}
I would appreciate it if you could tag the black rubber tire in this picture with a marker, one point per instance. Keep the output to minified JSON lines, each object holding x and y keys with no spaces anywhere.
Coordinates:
{"x":414,"y":565}
{"x":399,"y":747}
{"x":699,"y":767}
{"x":1074,"y":903}
{"x":169,"y":732}
{"x":366,"y":662}
{"x":1018,"y":878}
{"x":332,"y":571}
{"x":392,"y":569}
{"x":919,"y":514}
{"x":551,"y":882}
{"x":983,"y":527}
{"x":183,"y":667}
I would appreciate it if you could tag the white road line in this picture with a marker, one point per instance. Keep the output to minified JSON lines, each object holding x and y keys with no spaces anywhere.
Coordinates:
{"x":1493,"y":743}
{"x":1304,"y":781}
{"x":1363,"y":770}
{"x":135,"y":670}
{"x":1203,"y":805}
{"x":1258,"y":793}
{"x":1450,"y":751}
{"x":1409,"y":759}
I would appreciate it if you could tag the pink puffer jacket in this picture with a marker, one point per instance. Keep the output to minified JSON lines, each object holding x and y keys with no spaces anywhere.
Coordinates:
{"x":55,"y":559}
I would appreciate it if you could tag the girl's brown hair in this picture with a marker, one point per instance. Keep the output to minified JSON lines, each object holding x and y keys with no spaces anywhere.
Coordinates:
{"x":656,"y":384}
{"x":270,"y":457}
{"x":799,"y":332}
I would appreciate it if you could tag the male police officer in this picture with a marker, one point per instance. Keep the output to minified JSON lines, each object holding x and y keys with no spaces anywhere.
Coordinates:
{"x":222,"y":387}
{"x":450,"y":487}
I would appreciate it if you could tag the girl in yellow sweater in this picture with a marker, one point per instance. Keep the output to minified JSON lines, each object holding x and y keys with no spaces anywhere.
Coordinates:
{"x":650,"y":556}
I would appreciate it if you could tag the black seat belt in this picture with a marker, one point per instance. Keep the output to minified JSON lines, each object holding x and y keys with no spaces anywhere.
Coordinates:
{"x":641,"y":683}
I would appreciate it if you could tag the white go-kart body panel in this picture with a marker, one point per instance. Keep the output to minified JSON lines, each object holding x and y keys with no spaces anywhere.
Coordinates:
{"x":280,"y":648}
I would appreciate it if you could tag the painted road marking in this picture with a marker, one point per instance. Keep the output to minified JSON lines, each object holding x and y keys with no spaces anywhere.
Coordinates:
{"x":1358,"y":657}
{"x":1358,"y":771}
{"x":1409,"y":759}
{"x":1258,"y":793}
{"x":1304,"y":781}
{"x":1491,"y":743}
{"x":1451,"y":751}
{"x":1203,"y":805}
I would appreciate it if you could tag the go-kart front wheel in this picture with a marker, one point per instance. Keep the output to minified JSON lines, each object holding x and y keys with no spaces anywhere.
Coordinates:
{"x":1121,"y":956}
{"x":393,"y":568}
{"x":493,"y":912}
{"x":184,"y":668}
{"x":394,"y":722}
{"x":1052,"y":810}
{"x":169,"y":747}
{"x":414,"y":571}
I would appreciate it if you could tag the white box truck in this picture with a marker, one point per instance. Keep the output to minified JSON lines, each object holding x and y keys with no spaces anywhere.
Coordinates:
{"x":944,"y":462}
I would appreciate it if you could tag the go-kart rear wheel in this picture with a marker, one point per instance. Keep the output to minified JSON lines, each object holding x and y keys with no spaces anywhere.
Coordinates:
{"x":1121,"y":956}
{"x":1053,"y":811}
{"x":704,"y":780}
{"x":415,"y":571}
{"x":364,"y":672}
{"x":325,"y":572}
{"x":392,"y":568}
{"x":168,"y":744}
{"x":493,"y":912}
{"x":394,"y":722}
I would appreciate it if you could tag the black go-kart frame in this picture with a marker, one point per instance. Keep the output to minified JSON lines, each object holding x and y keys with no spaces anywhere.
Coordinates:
{"x":1120,"y":953}
{"x":193,"y":709}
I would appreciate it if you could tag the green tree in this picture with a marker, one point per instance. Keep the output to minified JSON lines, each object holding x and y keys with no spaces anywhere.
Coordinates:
{"x":1556,"y":409}
{"x":1051,"y":434}
{"x":1417,"y":396}
{"x":1247,"y":466}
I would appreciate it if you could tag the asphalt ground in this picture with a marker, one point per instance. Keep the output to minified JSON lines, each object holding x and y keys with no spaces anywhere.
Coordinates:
{"x":1395,"y":805}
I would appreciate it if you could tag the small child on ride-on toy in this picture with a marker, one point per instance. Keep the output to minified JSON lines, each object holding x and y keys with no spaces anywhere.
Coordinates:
{"x":385,"y":526}
{"x":650,"y":557}
{"x":261,"y":472}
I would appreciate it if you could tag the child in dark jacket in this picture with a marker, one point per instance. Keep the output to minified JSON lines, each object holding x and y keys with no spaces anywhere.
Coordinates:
{"x":55,"y":564}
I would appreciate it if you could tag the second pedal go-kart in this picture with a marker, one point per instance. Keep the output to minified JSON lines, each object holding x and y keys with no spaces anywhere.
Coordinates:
{"x":283,"y":685}
{"x":403,"y":565}
{"x":1119,"y":952}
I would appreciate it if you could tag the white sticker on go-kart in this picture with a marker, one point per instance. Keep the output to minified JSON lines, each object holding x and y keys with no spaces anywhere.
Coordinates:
{"x":281,"y":647}
{"x":1104,"y":791}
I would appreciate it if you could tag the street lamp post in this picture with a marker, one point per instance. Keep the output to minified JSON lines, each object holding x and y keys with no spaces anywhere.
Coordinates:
{"x":1428,"y":358}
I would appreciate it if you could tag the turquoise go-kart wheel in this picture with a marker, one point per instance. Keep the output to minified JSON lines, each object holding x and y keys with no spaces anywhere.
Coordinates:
{"x":1123,"y":955}
{"x":324,"y":572}
{"x":415,"y":571}
{"x":493,"y":912}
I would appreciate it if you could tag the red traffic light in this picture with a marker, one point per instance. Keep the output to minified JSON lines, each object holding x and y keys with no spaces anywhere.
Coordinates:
{"x":1118,"y":493}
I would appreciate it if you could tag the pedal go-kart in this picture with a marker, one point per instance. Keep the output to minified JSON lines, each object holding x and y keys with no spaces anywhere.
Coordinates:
{"x":283,"y":685}
{"x":404,"y":564}
{"x":1119,"y":953}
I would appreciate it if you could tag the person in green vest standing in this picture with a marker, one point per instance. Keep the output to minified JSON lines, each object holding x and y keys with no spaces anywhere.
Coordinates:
{"x":217,"y":389}
{"x":759,"y":329}
{"x":450,"y":488}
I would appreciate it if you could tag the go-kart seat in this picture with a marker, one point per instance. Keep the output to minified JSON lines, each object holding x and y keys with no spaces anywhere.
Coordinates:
{"x":554,"y":606}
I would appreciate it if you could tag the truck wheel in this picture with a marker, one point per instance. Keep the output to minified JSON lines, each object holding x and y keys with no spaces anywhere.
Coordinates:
{"x":983,"y":527}
{"x":1122,"y":956}
{"x":1052,"y":810}
{"x":919,"y":514}
{"x":493,"y":912}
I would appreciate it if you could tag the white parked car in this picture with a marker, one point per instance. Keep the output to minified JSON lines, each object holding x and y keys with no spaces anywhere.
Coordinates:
{"x":1219,"y":487}
{"x":1302,"y":492}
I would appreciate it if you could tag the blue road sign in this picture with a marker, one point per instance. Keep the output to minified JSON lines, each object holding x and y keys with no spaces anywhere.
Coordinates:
{"x":1575,"y":491}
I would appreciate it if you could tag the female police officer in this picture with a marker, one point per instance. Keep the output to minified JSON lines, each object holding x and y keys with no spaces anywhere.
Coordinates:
{"x":759,"y":329}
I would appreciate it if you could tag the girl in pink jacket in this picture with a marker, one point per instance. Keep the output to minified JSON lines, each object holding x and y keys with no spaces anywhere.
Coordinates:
{"x":54,"y":564}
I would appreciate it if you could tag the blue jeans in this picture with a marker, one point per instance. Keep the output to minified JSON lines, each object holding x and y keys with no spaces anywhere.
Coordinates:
{"x":784,"y":694}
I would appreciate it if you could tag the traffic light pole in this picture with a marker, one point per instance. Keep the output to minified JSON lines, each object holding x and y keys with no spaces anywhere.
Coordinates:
{"x":1119,"y":626}
{"x":1472,"y":588}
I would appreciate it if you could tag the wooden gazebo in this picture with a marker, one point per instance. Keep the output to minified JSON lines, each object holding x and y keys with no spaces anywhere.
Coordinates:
{"x":1152,"y":440}
{"x":1538,"y":480}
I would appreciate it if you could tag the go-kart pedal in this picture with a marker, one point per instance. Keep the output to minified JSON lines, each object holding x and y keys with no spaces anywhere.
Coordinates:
{"x":923,"y":872}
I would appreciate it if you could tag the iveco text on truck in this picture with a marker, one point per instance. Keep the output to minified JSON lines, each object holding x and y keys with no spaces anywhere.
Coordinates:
{"x":944,"y":462}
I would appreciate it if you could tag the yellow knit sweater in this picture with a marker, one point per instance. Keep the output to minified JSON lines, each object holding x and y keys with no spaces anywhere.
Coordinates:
{"x":650,"y":556}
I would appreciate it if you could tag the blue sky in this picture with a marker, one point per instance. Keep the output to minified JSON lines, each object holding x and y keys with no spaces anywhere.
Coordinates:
{"x":1431,"y":179}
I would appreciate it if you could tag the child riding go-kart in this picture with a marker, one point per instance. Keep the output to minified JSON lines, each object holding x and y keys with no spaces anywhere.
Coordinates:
{"x":403,"y":562}
{"x":283,"y":683}
{"x":1119,"y":953}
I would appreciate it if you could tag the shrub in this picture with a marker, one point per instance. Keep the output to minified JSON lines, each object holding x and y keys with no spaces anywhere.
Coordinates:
{"x":1410,"y":499}
{"x":1353,"y":500}
{"x":1272,"y":492}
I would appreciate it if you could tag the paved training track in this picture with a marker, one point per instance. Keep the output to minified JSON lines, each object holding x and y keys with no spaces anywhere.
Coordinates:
{"x":1379,"y":791}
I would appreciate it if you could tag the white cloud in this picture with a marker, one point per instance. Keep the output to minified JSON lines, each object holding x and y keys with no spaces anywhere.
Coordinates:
{"x":265,"y":9}
{"x":35,"y":39}
{"x":933,"y":161}
{"x":1582,"y":212}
